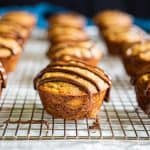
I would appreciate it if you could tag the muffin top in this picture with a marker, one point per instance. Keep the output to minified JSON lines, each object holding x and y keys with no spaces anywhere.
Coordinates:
{"x":111,"y":18}
{"x":9,"y":47}
{"x":9,"y":29}
{"x":24,"y":19}
{"x":62,"y":33}
{"x":129,"y":35}
{"x":140,"y":51}
{"x":3,"y":76}
{"x":68,"y":19}
{"x":84,"y":50}
{"x":72,"y":78}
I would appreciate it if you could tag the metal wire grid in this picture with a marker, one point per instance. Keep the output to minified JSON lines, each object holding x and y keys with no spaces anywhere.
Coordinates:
{"x":119,"y":119}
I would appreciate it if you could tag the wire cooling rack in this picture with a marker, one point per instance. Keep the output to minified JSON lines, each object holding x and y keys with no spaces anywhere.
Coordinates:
{"x":119,"y":119}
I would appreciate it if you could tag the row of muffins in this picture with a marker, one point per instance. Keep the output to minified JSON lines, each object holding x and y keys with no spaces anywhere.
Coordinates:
{"x":132,"y":44}
{"x":69,"y":39}
{"x":71,"y":87}
{"x":15,"y":28}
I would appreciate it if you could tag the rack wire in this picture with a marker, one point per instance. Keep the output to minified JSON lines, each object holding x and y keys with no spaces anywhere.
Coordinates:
{"x":119,"y":119}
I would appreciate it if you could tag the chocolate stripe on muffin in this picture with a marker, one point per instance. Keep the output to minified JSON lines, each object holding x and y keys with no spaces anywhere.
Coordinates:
{"x":10,"y":49}
{"x":3,"y":76}
{"x":71,"y":72}
{"x":98,"y":73}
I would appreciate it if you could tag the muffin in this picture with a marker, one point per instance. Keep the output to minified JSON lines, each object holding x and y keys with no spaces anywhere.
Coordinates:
{"x":72,"y":90}
{"x":119,"y":40}
{"x":69,"y":19}
{"x":14,"y":31}
{"x":142,"y":88}
{"x":57,"y":34}
{"x":10,"y":52}
{"x":3,"y":78}
{"x":113,"y":18}
{"x":24,"y":19}
{"x":86,"y":51}
{"x":136,"y":57}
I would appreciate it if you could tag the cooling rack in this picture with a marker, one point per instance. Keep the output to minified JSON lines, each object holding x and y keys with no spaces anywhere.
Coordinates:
{"x":119,"y":119}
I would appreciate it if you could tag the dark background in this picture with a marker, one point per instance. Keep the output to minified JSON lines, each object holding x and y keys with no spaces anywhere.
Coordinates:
{"x":138,"y":8}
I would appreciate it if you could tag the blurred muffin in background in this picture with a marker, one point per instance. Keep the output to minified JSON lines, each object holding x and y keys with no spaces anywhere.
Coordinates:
{"x":141,"y":83}
{"x":120,"y":39}
{"x":23,"y":19}
{"x":69,"y":19}
{"x":137,"y":57}
{"x":86,"y":51}
{"x":10,"y":52}
{"x":112,"y":18}
{"x":14,"y":31}
{"x":57,"y":34}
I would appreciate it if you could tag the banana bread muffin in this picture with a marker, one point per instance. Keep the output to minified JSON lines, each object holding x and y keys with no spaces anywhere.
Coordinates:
{"x":3,"y":78}
{"x":142,"y":88}
{"x":69,"y":19}
{"x":72,"y":90}
{"x":86,"y":51}
{"x":12,"y":30}
{"x":136,"y":57}
{"x":113,"y":18}
{"x":119,"y":40}
{"x":57,"y":34}
{"x":10,"y":52}
{"x":24,"y":19}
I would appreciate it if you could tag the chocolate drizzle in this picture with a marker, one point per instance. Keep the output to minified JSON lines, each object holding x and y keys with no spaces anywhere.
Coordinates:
{"x":54,"y":68}
{"x":3,"y":76}
{"x":8,"y":48}
{"x":71,"y":72}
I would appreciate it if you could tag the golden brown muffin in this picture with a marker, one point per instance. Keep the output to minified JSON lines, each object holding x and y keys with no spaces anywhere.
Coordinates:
{"x":86,"y":51}
{"x":69,"y":19}
{"x":72,"y":90}
{"x":3,"y":78}
{"x":12,"y":30}
{"x":24,"y":19}
{"x":119,"y":40}
{"x":57,"y":34}
{"x":10,"y":52}
{"x":113,"y":18}
{"x":136,"y":57}
{"x":142,"y":88}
